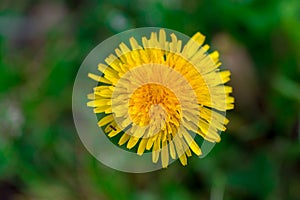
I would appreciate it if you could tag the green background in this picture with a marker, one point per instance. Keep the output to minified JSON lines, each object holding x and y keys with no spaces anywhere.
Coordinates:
{"x":42,"y":44}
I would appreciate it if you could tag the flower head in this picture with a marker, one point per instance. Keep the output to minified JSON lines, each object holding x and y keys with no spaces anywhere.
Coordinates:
{"x":158,"y":94}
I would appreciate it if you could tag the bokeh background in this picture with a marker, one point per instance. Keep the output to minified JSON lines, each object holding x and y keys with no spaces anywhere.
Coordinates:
{"x":42,"y":44}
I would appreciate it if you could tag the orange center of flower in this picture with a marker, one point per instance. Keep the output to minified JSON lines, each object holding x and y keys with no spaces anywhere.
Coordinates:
{"x":154,"y":105}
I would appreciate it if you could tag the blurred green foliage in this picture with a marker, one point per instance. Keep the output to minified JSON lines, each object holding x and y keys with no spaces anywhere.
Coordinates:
{"x":42,"y":44}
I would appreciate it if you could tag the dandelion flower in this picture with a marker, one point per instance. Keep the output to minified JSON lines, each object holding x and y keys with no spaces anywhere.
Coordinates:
{"x":158,"y":94}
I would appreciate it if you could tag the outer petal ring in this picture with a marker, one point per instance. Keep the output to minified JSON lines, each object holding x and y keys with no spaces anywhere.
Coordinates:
{"x":94,"y":138}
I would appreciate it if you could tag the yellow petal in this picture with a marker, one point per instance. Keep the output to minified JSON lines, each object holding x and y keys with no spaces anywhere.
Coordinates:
{"x":105,"y":120}
{"x":134,"y":44}
{"x":191,"y":142}
{"x":172,"y":149}
{"x":114,"y":133}
{"x":149,"y":143}
{"x":99,"y":102}
{"x":91,"y":96}
{"x":215,"y":56}
{"x":225,"y":75}
{"x":193,"y":44}
{"x":125,"y":137}
{"x":164,"y":155}
{"x":178,"y":146}
{"x":156,"y":150}
{"x":162,"y":38}
{"x":113,"y":62}
{"x":142,"y":146}
{"x":198,"y":37}
{"x":99,"y":78}
{"x":132,"y":142}
{"x":183,"y":159}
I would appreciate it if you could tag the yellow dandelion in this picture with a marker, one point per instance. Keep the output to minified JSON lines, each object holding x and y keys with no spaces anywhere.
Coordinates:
{"x":158,"y":94}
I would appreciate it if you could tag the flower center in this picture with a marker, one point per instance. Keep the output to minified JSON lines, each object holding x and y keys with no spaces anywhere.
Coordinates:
{"x":154,"y":105}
